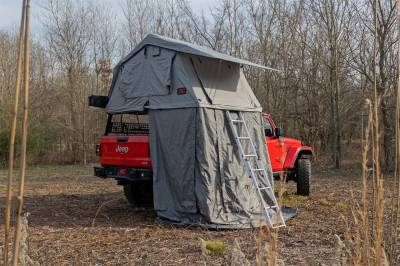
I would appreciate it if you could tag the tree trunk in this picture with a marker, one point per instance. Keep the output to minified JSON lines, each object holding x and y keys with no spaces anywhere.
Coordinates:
{"x":338,"y":134}
{"x":387,"y":160}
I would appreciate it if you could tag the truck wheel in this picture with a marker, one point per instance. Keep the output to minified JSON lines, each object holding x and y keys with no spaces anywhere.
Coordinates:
{"x":139,"y":195}
{"x":303,"y":176}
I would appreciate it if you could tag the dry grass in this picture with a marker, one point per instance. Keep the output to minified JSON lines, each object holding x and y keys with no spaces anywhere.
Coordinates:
{"x":365,"y":241}
{"x":212,"y":247}
{"x":342,"y":205}
{"x":63,"y":201}
{"x":324,"y":202}
{"x":368,"y":243}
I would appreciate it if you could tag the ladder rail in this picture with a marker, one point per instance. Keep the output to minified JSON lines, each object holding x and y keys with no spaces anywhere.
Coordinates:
{"x":235,"y":134}
{"x":274,"y":199}
{"x":248,"y":133}
{"x":260,"y":168}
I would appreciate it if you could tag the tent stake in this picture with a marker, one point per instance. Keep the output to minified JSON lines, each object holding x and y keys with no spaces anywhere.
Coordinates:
{"x":12,"y":138}
{"x":22,"y":165}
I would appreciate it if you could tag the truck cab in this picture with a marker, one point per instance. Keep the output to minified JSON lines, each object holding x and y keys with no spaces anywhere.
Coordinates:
{"x":290,"y":158}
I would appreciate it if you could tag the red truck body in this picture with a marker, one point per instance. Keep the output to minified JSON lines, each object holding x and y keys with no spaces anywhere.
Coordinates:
{"x":283,"y":151}
{"x":129,"y":151}
{"x":124,"y":153}
{"x":134,"y":151}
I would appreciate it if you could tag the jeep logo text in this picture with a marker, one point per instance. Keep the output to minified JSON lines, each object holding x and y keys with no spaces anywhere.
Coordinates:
{"x":121,"y":149}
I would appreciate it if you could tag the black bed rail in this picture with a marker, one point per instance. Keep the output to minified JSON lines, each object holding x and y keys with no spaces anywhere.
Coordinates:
{"x":127,"y":129}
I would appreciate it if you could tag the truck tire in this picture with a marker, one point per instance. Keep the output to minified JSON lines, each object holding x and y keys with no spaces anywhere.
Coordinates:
{"x":139,"y":195}
{"x":303,"y":176}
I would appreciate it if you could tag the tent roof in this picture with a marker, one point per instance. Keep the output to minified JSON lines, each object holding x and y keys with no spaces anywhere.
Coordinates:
{"x":188,"y":48}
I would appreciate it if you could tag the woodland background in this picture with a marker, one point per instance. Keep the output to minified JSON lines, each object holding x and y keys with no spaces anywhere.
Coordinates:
{"x":325,"y":49}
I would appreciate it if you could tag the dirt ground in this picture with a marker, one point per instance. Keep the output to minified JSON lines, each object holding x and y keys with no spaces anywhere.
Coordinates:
{"x":78,"y":219}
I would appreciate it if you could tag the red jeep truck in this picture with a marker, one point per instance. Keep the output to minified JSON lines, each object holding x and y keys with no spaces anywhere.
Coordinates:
{"x":124,"y":153}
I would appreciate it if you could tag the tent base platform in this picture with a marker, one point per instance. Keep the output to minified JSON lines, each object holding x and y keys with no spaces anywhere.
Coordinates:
{"x":288,"y":213}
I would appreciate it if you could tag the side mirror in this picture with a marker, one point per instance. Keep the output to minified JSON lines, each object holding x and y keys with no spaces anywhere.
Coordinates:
{"x":98,"y":101}
{"x":268,"y":132}
{"x":278,"y":132}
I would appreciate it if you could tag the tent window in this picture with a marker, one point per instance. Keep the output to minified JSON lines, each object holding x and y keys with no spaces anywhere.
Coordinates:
{"x":159,"y":52}
{"x":145,"y":76}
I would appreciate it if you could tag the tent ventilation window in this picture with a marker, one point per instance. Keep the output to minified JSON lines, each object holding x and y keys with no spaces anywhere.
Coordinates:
{"x":159,"y":52}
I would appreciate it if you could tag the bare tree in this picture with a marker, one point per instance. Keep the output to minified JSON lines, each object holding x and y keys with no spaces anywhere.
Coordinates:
{"x":324,"y":49}
{"x":333,"y":17}
{"x":69,"y":33}
{"x":381,"y":60}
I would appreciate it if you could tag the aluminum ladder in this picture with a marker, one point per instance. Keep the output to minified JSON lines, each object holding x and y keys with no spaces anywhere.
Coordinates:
{"x":255,"y":168}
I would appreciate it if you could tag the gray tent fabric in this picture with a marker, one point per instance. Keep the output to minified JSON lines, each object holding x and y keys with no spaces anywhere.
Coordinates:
{"x":147,"y":74}
{"x":173,"y":156}
{"x":231,"y":197}
{"x":225,"y":84}
{"x":188,"y":48}
{"x":198,"y":175}
{"x":203,"y":79}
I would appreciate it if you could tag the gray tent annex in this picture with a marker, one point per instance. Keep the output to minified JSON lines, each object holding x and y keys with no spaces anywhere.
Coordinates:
{"x":198,"y":175}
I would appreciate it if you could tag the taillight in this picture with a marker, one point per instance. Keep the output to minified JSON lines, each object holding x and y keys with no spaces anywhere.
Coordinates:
{"x":98,"y":150}
{"x":122,"y":171}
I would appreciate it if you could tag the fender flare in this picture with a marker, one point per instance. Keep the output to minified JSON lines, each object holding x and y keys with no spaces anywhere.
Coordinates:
{"x":294,"y":153}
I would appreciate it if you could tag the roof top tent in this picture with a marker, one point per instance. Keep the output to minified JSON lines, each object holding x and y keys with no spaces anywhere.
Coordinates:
{"x":198,"y":174}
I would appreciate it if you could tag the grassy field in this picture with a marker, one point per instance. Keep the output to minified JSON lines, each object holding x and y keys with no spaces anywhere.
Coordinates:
{"x":78,"y":219}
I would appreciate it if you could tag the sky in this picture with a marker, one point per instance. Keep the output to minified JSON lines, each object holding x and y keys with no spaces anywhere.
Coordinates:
{"x":10,"y":11}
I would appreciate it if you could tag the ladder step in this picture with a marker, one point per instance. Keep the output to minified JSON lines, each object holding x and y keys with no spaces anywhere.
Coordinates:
{"x":243,"y":138}
{"x":250,"y":155}
{"x":279,"y":226}
{"x":237,"y":121}
{"x":257,"y":170}
{"x":273,"y":207}
{"x":263,"y":188}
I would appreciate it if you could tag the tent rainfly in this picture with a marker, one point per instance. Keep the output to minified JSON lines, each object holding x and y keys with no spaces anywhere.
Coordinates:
{"x":198,"y":175}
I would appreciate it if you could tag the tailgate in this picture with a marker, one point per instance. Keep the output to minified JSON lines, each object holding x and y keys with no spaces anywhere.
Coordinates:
{"x":128,"y":151}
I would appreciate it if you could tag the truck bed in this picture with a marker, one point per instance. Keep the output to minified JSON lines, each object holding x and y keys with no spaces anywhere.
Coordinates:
{"x":126,"y":144}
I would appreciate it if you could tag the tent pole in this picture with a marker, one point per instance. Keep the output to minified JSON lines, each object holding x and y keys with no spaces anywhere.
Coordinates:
{"x":12,"y":138}
{"x":22,"y":165}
